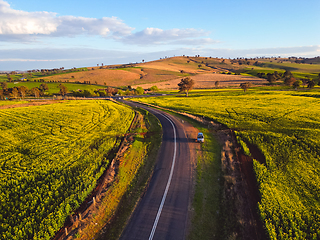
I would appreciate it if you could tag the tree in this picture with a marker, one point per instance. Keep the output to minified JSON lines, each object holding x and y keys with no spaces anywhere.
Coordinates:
{"x":297,"y":84}
{"x":14,"y":92}
{"x":22,"y":91}
{"x":2,"y":96}
{"x":109,"y":91}
{"x":4,"y":85}
{"x":304,"y":81}
{"x":245,"y":86}
{"x":120,"y":92}
{"x":261,"y":74}
{"x":36,"y":92}
{"x":289,"y":81}
{"x":63,"y":89}
{"x":186,"y":85}
{"x":311,"y":83}
{"x":139,"y":90}
{"x":43,"y":87}
{"x":128,"y":92}
{"x":102,"y":93}
{"x":154,"y":89}
{"x":277,"y":75}
{"x":87,"y":93}
{"x":287,"y":74}
{"x":9,"y":77}
{"x":271,"y":78}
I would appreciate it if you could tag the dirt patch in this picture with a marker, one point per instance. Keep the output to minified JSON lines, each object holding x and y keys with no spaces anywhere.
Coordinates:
{"x":225,"y":80}
{"x":171,"y":84}
{"x":175,"y":64}
{"x":110,"y":77}
{"x":207,"y":81}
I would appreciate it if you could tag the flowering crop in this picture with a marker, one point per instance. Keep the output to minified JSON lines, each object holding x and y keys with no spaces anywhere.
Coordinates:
{"x":285,"y":126}
{"x":50,"y":159}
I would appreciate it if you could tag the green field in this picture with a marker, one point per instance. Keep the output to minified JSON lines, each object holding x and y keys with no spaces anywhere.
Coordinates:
{"x":16,"y":77}
{"x":51,"y":157}
{"x":285,"y":126}
{"x":297,"y":74}
{"x":54,"y":87}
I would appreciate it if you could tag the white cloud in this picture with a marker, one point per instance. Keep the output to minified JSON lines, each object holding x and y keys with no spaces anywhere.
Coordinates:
{"x":20,"y":22}
{"x":23,"y":59}
{"x":71,"y":26}
{"x":17,"y":24}
{"x":151,"y":36}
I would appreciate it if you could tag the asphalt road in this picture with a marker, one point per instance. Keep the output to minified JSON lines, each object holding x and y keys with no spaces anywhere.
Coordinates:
{"x":162,"y":212}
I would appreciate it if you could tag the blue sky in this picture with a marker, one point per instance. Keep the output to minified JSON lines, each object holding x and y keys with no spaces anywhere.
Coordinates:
{"x":51,"y":34}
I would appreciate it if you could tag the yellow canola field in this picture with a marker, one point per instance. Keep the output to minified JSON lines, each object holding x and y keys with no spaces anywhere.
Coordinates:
{"x":50,"y":159}
{"x":285,"y":127}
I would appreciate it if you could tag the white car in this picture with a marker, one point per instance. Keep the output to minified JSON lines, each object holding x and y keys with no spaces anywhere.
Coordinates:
{"x":200,"y":137}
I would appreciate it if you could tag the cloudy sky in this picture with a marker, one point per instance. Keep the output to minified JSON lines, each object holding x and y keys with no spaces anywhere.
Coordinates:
{"x":50,"y":34}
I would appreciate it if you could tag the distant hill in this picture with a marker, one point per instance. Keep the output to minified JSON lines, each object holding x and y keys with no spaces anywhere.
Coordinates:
{"x":315,"y":60}
{"x":166,"y":73}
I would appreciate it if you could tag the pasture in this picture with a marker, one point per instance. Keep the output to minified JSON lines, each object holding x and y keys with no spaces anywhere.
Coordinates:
{"x":121,"y":77}
{"x":51,"y":157}
{"x":285,"y":127}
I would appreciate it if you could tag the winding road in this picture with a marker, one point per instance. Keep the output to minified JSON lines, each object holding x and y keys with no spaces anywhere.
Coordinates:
{"x":162,"y":212}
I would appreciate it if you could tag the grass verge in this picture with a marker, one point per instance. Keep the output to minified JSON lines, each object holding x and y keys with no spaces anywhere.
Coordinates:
{"x":206,"y":202}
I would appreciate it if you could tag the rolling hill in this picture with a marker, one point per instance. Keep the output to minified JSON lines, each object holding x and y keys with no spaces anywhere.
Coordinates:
{"x":166,"y":73}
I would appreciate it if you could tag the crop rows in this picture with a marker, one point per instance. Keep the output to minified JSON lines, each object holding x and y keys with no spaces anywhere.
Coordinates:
{"x":50,"y":159}
{"x":285,"y":126}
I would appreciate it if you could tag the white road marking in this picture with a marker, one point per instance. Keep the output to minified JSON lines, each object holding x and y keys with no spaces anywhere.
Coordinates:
{"x":169,"y":180}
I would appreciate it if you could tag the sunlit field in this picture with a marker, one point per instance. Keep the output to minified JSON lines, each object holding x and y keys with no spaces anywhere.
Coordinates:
{"x":51,"y":157}
{"x":285,"y":126}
